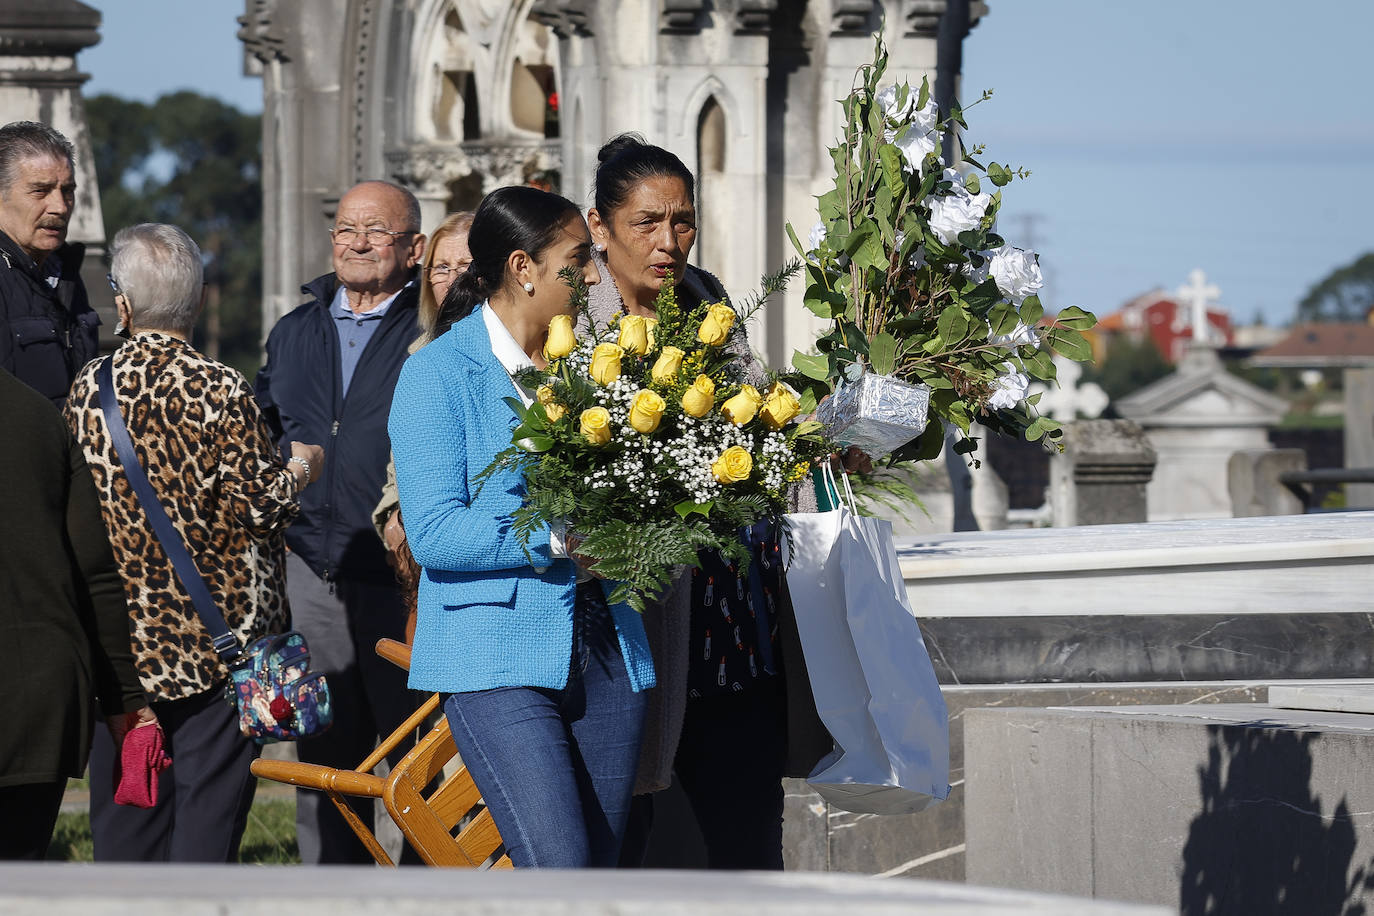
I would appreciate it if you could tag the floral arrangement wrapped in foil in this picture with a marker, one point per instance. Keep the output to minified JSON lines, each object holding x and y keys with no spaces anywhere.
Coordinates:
{"x":877,"y":413}
{"x":916,"y":284}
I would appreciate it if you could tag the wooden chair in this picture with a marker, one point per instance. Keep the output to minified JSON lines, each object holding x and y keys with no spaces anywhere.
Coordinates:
{"x":403,"y":790}
{"x":428,"y":819}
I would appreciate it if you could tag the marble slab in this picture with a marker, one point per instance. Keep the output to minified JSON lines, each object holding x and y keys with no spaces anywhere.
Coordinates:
{"x":1337,"y":698}
{"x":1108,"y":647}
{"x":1277,"y":564}
{"x":56,"y":889}
{"x":1222,"y":808}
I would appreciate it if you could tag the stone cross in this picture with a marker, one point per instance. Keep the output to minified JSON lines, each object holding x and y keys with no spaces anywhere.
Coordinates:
{"x":1198,"y":294}
{"x":1068,"y":400}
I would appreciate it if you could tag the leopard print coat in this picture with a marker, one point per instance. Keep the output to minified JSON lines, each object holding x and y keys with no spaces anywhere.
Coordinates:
{"x":207,"y":452}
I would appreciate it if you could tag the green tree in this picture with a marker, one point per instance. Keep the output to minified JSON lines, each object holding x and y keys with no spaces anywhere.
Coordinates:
{"x":1130,"y":364}
{"x":193,"y":161}
{"x":1345,"y":294}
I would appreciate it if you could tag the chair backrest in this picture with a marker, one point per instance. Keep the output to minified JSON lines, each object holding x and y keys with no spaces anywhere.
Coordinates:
{"x":429,"y":818}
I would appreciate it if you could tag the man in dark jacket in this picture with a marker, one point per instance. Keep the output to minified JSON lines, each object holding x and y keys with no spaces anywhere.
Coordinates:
{"x":331,"y":368}
{"x":48,"y":329}
{"x":64,"y":626}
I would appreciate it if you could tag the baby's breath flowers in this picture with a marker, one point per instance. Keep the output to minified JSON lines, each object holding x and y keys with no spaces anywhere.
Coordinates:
{"x":648,"y":441}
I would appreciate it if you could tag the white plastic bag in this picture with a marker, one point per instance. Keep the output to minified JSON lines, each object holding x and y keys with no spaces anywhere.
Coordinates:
{"x":871,"y":677}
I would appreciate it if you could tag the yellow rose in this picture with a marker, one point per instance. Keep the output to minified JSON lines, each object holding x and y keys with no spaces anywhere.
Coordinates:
{"x":698,"y":400}
{"x":596,"y":425}
{"x":561,"y":339}
{"x":715,"y":327}
{"x":733,"y":465}
{"x":646,"y":410}
{"x":634,"y":335}
{"x":649,"y":325}
{"x":667,"y":366}
{"x":552,"y":407}
{"x":606,"y":363}
{"x":779,"y":406}
{"x":740,"y":409}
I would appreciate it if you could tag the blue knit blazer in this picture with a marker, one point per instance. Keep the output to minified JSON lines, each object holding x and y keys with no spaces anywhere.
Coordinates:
{"x":488,"y":616}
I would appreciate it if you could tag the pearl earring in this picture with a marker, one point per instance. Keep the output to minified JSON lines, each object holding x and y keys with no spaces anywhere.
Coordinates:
{"x":600,"y":247}
{"x":529,"y":287}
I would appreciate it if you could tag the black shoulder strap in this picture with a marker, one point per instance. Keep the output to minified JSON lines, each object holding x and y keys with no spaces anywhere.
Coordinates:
{"x":225,"y":643}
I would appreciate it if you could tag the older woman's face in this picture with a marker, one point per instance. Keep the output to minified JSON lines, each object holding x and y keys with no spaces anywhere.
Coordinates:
{"x":648,"y":237}
{"x":451,"y":258}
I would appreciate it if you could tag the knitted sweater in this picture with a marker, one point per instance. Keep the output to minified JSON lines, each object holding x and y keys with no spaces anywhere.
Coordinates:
{"x":493,"y":611}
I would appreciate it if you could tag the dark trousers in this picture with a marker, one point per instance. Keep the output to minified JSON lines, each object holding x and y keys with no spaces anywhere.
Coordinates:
{"x":729,"y":764}
{"x":557,"y":767}
{"x":29,"y":813}
{"x":202,"y":798}
{"x":369,"y":695}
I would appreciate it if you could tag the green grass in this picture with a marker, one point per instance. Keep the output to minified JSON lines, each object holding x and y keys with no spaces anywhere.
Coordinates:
{"x":269,"y":838}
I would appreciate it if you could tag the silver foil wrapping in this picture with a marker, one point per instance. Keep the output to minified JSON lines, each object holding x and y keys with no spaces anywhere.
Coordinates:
{"x":878,"y":413}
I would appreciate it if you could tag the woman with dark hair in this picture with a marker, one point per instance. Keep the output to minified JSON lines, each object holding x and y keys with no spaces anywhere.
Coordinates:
{"x":725,"y":719}
{"x":544,"y":679}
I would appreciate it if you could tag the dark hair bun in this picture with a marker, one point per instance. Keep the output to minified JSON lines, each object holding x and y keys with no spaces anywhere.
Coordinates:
{"x":617,"y":145}
{"x":626,"y":161}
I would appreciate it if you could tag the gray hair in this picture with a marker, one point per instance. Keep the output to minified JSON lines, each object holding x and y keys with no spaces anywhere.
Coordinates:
{"x":159,"y":270}
{"x":20,"y":140}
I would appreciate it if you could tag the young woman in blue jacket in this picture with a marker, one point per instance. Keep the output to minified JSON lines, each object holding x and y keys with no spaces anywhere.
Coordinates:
{"x":544,"y":679}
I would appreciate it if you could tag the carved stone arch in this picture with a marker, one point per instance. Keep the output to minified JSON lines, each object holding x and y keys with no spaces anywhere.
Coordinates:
{"x":443,"y":84}
{"x":713,"y":148}
{"x":712,"y":138}
{"x":515,"y":79}
{"x":711,"y":89}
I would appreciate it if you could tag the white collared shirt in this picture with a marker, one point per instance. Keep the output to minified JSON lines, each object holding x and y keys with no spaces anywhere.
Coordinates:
{"x":507,"y":352}
{"x":512,"y":358}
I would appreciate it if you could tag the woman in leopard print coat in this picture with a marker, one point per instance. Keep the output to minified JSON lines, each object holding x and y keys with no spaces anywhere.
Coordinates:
{"x":207,"y":452}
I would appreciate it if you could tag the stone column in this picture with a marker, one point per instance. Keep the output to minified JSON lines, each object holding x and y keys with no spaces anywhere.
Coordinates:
{"x":39,"y":82}
{"x":1107,"y":464}
{"x":1253,"y":479}
{"x":1359,"y":434}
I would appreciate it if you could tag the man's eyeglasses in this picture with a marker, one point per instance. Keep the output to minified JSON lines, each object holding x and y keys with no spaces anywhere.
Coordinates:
{"x":377,"y":238}
{"x":443,"y":272}
{"x":113,"y":285}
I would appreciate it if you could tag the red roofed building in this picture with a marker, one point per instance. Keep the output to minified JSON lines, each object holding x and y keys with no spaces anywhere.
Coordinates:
{"x":1167,"y":321}
{"x":1320,"y":346}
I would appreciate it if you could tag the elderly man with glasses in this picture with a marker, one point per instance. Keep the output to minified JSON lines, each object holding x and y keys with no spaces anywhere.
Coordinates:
{"x":331,"y":366}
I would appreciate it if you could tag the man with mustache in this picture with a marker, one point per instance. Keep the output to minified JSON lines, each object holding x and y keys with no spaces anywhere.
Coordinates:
{"x":332,"y":364}
{"x":48,"y":329}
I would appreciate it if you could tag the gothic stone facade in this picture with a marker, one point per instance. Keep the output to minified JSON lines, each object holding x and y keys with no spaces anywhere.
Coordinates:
{"x":454,"y":98}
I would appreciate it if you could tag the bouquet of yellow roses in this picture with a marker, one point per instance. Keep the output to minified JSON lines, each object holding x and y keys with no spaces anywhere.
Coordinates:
{"x":647,"y":440}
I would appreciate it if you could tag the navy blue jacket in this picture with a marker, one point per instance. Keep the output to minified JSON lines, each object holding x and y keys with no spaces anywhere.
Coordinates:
{"x":46,"y":334}
{"x":301,"y":394}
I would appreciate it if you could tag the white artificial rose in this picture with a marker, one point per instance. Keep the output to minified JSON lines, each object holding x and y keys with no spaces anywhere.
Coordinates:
{"x":816,"y":237}
{"x":977,"y":274}
{"x":956,"y":213}
{"x":1010,"y":389}
{"x":1023,"y":335}
{"x":1017,"y":273}
{"x":915,"y":134}
{"x":887,"y":101}
{"x":916,"y":143}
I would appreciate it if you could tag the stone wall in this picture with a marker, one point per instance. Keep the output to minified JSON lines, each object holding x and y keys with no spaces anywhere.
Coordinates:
{"x":1216,"y":809}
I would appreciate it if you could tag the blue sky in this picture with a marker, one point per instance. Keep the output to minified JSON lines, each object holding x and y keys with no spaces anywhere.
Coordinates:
{"x":1232,"y":135}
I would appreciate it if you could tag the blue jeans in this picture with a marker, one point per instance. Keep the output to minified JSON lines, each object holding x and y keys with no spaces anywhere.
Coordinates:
{"x":557,"y":767}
